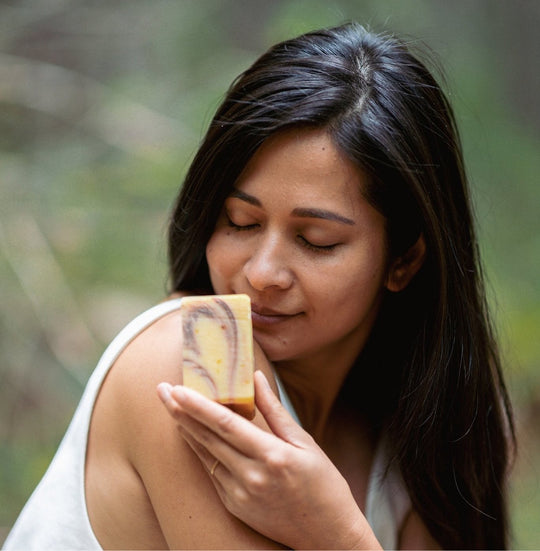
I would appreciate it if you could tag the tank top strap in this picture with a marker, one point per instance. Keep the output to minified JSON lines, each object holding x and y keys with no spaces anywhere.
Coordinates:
{"x":284,"y":397}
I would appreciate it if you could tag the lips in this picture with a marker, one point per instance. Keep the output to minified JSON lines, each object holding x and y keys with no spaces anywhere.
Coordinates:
{"x":262,"y":311}
{"x":261,"y":315}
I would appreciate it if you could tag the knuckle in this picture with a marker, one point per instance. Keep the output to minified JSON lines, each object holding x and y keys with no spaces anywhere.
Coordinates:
{"x":225,"y":423}
{"x":174,"y":409}
{"x":204,"y":436}
{"x":276,"y":461}
{"x":256,"y":482}
{"x":237,"y":499}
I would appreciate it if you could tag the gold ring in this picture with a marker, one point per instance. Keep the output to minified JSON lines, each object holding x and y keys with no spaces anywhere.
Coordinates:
{"x":213,"y":469}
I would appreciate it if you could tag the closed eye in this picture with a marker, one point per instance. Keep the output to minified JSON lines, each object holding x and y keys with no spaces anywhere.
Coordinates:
{"x":316,"y":248}
{"x":238,"y":227}
{"x":304,"y":242}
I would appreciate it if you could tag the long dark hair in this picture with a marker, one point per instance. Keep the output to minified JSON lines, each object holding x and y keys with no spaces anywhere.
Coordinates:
{"x":446,"y":410}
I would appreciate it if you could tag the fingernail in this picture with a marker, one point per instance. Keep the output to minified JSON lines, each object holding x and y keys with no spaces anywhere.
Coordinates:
{"x":264,"y":379}
{"x":164,"y":391}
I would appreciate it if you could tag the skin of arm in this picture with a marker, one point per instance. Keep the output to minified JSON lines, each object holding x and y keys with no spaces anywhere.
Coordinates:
{"x":286,"y":488}
{"x":281,"y":484}
{"x":145,"y":488}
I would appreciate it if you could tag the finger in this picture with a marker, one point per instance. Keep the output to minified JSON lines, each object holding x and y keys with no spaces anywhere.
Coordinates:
{"x":219,"y":429}
{"x":226,"y":477}
{"x":217,"y":470}
{"x":206,"y":444}
{"x":204,"y":455}
{"x":237,"y":431}
{"x":279,"y":420}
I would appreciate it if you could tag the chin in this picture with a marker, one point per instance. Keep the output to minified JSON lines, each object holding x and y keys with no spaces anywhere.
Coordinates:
{"x":276,"y":354}
{"x":272,"y":352}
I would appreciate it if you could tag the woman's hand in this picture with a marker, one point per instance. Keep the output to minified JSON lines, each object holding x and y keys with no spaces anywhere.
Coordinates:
{"x":279,"y":483}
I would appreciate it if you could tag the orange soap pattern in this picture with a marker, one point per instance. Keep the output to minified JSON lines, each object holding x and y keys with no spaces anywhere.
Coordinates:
{"x":218,"y":349}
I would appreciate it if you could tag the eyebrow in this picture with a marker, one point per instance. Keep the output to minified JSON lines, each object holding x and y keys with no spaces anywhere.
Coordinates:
{"x":300,"y":212}
{"x":323,"y":214}
{"x":245,"y":197}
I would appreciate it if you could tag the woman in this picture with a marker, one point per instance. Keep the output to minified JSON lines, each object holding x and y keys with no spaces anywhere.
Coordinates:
{"x":329,"y":188}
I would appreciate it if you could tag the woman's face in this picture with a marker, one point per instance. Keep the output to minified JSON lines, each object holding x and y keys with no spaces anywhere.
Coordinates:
{"x":298,"y":237}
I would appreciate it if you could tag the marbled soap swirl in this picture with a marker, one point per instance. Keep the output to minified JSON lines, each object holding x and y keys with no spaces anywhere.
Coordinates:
{"x":218,"y":349}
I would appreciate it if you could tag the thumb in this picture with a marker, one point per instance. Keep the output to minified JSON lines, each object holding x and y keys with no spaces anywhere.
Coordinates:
{"x":278,"y":418}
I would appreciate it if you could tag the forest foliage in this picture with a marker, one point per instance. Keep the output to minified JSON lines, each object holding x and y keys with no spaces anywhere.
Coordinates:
{"x":102,"y":105}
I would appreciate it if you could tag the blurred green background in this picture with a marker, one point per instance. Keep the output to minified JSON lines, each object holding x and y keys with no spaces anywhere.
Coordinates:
{"x":102,"y":104}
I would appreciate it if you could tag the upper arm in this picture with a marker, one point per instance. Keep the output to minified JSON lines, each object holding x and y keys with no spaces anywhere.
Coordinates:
{"x":184,"y":500}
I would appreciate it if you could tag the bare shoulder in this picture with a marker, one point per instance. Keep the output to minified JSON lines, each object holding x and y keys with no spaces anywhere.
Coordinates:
{"x":118,"y":427}
{"x":172,"y":500}
{"x":154,"y":355}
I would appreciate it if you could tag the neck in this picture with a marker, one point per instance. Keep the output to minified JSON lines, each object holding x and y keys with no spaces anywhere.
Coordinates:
{"x":313,"y":386}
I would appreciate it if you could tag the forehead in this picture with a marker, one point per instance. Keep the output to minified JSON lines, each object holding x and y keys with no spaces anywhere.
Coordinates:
{"x":303,"y":164}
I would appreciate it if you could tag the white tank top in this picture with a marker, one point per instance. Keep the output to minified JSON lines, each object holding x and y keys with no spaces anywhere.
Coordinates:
{"x":55,"y":517}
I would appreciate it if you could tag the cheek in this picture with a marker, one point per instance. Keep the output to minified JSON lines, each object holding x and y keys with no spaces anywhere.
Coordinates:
{"x":210,"y":250}
{"x":222,"y":261}
{"x":359,"y":283}
{"x":216,"y":245}
{"x":213,"y":260}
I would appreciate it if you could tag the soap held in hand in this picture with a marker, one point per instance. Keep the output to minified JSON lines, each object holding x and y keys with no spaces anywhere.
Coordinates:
{"x":218,"y":349}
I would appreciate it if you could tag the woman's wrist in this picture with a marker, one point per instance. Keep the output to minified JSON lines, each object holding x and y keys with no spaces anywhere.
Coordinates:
{"x":361,"y":537}
{"x":352,"y":533}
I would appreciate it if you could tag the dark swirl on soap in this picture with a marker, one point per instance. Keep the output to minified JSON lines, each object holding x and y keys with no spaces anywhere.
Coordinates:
{"x":220,"y":311}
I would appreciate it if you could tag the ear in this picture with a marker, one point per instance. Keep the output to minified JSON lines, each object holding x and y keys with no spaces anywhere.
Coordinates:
{"x":405,"y":267}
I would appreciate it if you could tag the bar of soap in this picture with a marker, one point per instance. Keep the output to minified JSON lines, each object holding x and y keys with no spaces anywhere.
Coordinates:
{"x":218,"y":349}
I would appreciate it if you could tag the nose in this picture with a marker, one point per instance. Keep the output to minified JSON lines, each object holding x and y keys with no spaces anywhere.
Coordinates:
{"x":268,"y":267}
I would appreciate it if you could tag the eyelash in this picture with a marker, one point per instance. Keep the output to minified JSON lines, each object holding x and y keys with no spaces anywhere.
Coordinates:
{"x":305,"y":242}
{"x":236,"y":227}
